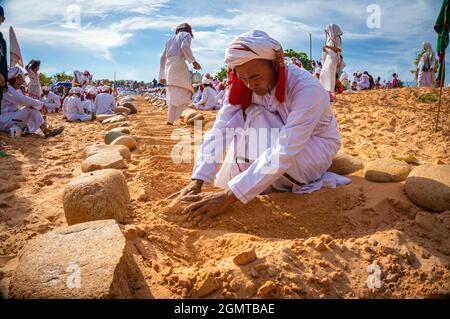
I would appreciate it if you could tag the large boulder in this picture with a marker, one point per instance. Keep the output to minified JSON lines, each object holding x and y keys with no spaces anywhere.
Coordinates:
{"x":198,"y":117}
{"x":103,"y":160}
{"x":131,"y":107}
{"x":128,"y":99}
{"x":117,"y":124}
{"x":386,"y":170}
{"x":125,"y":140}
{"x":90,"y":260}
{"x":121,"y":109}
{"x":97,"y":195}
{"x":429,"y":187}
{"x":124,"y":130}
{"x":115,"y":119}
{"x":112,"y":135}
{"x":103,"y":117}
{"x":344,"y":164}
{"x":188,"y":114}
{"x":102,"y":148}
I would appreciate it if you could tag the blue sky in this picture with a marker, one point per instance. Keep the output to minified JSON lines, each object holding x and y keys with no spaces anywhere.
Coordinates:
{"x":127,"y":36}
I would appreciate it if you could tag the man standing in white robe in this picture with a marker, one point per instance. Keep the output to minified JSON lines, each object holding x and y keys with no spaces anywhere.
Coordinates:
{"x":265,"y":95}
{"x":73,"y":110}
{"x":331,"y":59}
{"x":23,"y":110}
{"x":51,"y":100}
{"x":174,"y":71}
{"x":425,"y":68}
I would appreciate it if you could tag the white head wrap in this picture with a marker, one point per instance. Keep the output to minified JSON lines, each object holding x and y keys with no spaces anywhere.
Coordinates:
{"x":249,"y":46}
{"x":333,"y":33}
{"x":14,"y":72}
{"x":105,"y":88}
{"x":76,"y":90}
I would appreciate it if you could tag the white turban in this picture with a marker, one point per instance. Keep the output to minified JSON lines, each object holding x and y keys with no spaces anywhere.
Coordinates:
{"x":105,"y":88}
{"x":206,"y":81}
{"x":14,"y":72}
{"x":333,"y":33}
{"x":249,"y":46}
{"x":76,"y":90}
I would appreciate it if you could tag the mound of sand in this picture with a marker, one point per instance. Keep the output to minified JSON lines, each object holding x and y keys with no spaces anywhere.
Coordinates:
{"x":308,"y":246}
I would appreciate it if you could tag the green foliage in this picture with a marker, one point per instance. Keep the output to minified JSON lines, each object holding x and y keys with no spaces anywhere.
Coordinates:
{"x":222,"y":74}
{"x":44,"y":79}
{"x":303,"y":57}
{"x":63,"y":76}
{"x":429,"y":97}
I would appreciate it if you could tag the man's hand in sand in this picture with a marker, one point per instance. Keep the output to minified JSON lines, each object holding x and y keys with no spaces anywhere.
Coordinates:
{"x":194,"y":188}
{"x":207,"y":205}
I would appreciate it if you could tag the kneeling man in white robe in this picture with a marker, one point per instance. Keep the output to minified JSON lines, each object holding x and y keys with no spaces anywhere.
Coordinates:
{"x":285,"y":106}
{"x":51,"y":100}
{"x":22,"y":110}
{"x":104,"y":102}
{"x":73,"y":110}
{"x":209,"y":97}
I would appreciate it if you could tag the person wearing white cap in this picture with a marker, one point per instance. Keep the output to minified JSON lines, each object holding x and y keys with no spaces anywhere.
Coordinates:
{"x":73,"y":111}
{"x":104,"y":101}
{"x":284,"y":106}
{"x":51,"y":100}
{"x":23,"y":110}
{"x":88,"y":102}
{"x":174,"y":71}
{"x":208,"y":100}
{"x":197,"y":93}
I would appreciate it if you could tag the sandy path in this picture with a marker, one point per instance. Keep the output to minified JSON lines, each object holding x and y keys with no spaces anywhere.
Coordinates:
{"x":316,"y":245}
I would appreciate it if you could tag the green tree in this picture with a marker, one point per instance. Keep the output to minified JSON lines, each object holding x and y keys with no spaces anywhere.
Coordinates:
{"x":63,"y":76}
{"x":303,"y":57}
{"x":44,"y":79}
{"x":222,"y":74}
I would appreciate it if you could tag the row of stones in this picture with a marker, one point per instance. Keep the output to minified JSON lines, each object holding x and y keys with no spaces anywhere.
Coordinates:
{"x":428,"y":186}
{"x":91,"y":258}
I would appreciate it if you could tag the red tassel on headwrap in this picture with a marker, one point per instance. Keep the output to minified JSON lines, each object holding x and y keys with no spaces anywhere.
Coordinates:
{"x":240,"y":94}
{"x":280,"y":93}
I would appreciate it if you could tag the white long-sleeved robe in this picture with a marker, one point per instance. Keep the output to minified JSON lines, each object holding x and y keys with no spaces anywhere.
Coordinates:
{"x":425,"y":78}
{"x":308,"y":140}
{"x":363,"y":82}
{"x":73,"y":110}
{"x":208,"y":100}
{"x":104,"y":104}
{"x":52,"y":101}
{"x":21,"y":110}
{"x":174,"y":70}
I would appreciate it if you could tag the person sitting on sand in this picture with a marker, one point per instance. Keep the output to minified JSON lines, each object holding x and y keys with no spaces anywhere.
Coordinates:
{"x":208,"y":100}
{"x":73,"y":110}
{"x":104,"y":101}
{"x":266,"y":96}
{"x":51,"y":100}
{"x":23,"y":110}
{"x":363,"y":82}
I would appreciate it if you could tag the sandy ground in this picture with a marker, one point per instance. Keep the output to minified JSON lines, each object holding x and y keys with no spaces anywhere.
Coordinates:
{"x":308,"y":246}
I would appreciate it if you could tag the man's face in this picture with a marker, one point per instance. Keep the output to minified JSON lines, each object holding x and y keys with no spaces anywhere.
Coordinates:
{"x":2,"y":19}
{"x":19,"y":81}
{"x":258,"y":75}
